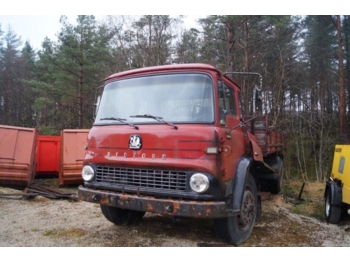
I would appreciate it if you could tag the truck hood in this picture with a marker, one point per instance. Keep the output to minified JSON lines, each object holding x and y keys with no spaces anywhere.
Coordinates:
{"x":154,"y":146}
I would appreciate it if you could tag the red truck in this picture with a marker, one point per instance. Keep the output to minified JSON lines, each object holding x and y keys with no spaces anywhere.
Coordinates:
{"x":172,"y":140}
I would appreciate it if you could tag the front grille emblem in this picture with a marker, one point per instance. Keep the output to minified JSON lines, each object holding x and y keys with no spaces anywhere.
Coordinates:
{"x":135,"y":142}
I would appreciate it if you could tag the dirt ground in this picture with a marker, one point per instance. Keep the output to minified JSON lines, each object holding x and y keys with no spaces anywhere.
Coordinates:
{"x":286,"y":221}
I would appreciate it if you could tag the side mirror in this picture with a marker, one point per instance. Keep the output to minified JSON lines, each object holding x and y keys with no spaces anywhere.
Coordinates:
{"x":258,"y":101}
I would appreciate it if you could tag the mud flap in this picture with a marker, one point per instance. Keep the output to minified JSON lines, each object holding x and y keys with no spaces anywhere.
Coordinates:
{"x":258,"y":211}
{"x":258,"y":155}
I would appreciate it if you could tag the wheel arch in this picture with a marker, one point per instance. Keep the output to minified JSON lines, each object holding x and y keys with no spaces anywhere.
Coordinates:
{"x":238,"y":183}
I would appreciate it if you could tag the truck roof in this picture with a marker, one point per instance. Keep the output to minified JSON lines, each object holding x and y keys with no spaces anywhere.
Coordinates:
{"x":164,"y":68}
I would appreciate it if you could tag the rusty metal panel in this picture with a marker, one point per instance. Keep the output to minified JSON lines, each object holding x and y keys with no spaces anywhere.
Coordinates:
{"x":48,"y":155}
{"x":73,"y":143}
{"x":166,"y":206}
{"x":17,"y":155}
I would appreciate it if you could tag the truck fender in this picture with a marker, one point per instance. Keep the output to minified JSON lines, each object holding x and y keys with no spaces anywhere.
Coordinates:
{"x":238,"y":183}
{"x":335,"y":193}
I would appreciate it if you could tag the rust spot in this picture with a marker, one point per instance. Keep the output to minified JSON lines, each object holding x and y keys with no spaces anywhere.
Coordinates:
{"x":176,"y":206}
{"x":223,"y":171}
{"x":149,"y":207}
{"x":124,"y":197}
{"x":207,"y":212}
{"x":104,"y":202}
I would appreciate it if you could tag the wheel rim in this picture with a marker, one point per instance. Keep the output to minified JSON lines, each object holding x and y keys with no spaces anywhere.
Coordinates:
{"x":328,"y":206}
{"x":247,"y":213}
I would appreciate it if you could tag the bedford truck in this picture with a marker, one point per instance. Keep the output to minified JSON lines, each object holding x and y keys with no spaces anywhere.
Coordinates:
{"x":172,"y":140}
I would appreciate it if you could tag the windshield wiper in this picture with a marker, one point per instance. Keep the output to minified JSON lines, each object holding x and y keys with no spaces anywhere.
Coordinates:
{"x":121,"y":120}
{"x":158,"y":118}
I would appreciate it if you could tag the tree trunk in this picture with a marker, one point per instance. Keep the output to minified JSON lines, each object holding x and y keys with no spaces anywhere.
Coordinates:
{"x":230,"y":43}
{"x":347,"y":20}
{"x":342,"y":131}
{"x":80,"y":96}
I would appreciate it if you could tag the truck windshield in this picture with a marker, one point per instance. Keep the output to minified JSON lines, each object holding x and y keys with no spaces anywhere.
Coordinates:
{"x":176,"y":98}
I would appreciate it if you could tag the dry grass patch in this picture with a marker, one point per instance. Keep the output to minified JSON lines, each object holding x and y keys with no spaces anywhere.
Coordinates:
{"x":65,"y":233}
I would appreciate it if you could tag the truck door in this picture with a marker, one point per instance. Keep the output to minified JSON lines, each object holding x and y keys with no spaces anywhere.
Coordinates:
{"x":229,"y":113}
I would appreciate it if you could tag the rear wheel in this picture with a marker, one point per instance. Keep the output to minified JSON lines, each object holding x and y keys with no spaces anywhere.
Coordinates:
{"x":276,"y":184}
{"x":236,"y":229}
{"x":120,"y":216}
{"x":333,"y":213}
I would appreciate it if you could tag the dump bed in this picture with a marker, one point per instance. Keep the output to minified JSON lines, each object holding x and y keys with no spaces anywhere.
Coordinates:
{"x":270,"y":140}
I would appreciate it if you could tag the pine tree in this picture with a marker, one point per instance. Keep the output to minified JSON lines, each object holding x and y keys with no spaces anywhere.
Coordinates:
{"x":71,"y":70}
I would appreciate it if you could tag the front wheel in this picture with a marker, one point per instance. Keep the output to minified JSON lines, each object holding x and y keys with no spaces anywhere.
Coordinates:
{"x":237,"y":229}
{"x":120,"y":216}
{"x":333,"y":213}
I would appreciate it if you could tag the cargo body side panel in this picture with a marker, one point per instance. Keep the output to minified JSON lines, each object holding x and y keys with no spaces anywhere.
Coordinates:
{"x":73,"y":143}
{"x":269,"y":140}
{"x":17,"y":155}
{"x":48,"y":156}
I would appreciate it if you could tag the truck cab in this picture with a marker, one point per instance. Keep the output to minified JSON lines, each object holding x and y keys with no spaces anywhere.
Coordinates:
{"x":172,"y":140}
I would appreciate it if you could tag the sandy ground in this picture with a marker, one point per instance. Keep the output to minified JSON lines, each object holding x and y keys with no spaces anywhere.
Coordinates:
{"x":43,"y":222}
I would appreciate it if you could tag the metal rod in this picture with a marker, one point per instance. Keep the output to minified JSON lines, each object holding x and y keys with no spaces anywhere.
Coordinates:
{"x":247,"y":73}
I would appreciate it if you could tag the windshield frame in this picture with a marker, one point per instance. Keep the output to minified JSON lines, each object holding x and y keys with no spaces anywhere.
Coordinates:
{"x":208,"y":97}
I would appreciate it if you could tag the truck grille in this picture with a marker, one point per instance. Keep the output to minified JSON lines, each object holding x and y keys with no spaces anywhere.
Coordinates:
{"x":148,"y":178}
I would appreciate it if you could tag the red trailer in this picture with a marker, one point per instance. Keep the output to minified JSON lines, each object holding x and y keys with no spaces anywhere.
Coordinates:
{"x":73,"y":142}
{"x":48,"y":156}
{"x":17,"y":155}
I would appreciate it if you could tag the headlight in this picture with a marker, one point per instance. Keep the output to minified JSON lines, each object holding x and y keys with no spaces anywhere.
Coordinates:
{"x":199,"y":183}
{"x":88,"y":173}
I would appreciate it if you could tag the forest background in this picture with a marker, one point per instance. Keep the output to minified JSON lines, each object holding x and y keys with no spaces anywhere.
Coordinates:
{"x":304,"y":62}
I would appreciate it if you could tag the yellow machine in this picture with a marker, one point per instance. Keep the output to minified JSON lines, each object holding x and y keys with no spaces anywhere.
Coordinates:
{"x":337,"y":192}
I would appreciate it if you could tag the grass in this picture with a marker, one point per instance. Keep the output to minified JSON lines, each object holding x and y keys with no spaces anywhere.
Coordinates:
{"x":308,"y":202}
{"x":64,"y":233}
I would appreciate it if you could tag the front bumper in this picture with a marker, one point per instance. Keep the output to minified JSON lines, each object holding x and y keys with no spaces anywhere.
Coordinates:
{"x":172,"y":207}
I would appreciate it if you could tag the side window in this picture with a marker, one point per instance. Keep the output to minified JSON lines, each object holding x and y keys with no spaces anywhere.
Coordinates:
{"x":341,"y":165}
{"x":227,"y":101}
{"x":230,"y":100}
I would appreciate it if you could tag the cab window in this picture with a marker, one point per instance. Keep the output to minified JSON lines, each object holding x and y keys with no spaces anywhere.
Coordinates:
{"x":227,"y":100}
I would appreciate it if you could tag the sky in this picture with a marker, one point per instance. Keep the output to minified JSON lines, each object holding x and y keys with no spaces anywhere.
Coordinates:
{"x":34,"y":28}
{"x":34,"y":20}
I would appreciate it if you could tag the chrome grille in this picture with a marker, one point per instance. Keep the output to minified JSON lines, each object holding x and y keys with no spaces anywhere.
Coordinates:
{"x":148,"y":178}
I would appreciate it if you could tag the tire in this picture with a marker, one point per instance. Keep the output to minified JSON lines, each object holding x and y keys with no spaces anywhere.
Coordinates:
{"x":276,"y":184}
{"x":332,"y":213}
{"x":272,"y":182}
{"x":121,"y":216}
{"x":235,"y":230}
